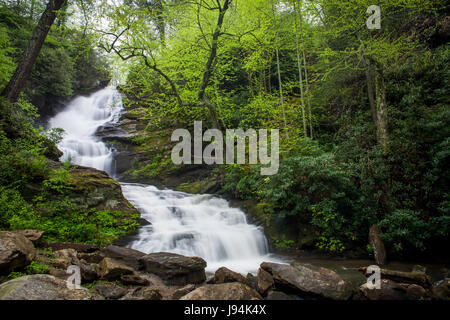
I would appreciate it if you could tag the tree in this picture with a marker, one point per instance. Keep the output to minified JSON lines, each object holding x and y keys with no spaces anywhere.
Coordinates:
{"x":23,"y":71}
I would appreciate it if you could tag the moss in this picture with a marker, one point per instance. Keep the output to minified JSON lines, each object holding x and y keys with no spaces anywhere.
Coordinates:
{"x":197,"y":187}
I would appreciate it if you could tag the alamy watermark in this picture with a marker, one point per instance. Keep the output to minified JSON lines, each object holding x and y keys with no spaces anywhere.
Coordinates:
{"x":374,"y":280}
{"x":374,"y":21}
{"x":221,"y":150}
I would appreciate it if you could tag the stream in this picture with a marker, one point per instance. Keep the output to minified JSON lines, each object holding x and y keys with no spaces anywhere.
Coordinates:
{"x":191,"y":225}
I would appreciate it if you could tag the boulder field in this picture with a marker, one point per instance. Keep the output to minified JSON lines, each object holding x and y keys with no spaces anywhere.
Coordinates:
{"x":117,"y":273}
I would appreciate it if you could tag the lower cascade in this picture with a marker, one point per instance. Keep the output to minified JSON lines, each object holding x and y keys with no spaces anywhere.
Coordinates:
{"x":191,"y":225}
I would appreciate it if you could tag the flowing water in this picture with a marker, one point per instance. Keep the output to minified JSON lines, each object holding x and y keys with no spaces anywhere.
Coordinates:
{"x":191,"y":225}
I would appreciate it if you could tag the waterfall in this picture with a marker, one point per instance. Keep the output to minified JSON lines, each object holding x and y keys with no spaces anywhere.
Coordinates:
{"x":191,"y":225}
{"x":80,"y":120}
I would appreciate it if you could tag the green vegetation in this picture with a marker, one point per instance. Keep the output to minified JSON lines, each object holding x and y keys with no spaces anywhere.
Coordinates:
{"x":363,"y":114}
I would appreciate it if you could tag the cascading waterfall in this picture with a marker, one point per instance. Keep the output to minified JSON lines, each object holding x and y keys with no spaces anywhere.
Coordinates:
{"x":80,"y":120}
{"x":191,"y":225}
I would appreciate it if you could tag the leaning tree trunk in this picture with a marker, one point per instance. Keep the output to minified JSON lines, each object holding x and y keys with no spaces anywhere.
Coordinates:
{"x":23,"y":71}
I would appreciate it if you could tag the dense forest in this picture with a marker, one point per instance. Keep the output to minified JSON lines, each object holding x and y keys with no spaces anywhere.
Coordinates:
{"x":363,"y":113}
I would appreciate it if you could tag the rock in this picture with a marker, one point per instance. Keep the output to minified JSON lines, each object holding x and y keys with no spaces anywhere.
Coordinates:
{"x":419,"y":278}
{"x":88,"y":272}
{"x":113,"y":270}
{"x":442,"y":290}
{"x":68,"y":254}
{"x":416,"y":292}
{"x":126,"y":256}
{"x":278,"y":295}
{"x":41,"y":287}
{"x":378,"y":245}
{"x":175,"y":269}
{"x":94,"y":257}
{"x":264,"y":281}
{"x":308,"y":280}
{"x":58,"y":273}
{"x":252,"y":281}
{"x":143,"y":293}
{"x":225,"y":275}
{"x":391,"y":290}
{"x":67,"y":245}
{"x":134,"y":280}
{"x":177,"y":294}
{"x":223,"y":291}
{"x":60,"y":263}
{"x":110,"y":291}
{"x":31,"y":234}
{"x":16,"y":251}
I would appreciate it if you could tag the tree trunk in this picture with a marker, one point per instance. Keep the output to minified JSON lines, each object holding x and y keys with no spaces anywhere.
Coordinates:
{"x":381,"y":109}
{"x":300,"y":76}
{"x":281,"y":86}
{"x":311,"y":130}
{"x":23,"y":71}
{"x":370,"y":91}
{"x":210,"y":64}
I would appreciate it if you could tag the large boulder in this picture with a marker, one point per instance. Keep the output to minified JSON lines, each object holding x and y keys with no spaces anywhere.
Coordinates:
{"x":225,"y":275}
{"x":31,"y":234}
{"x":111,"y":269}
{"x":223,"y":291}
{"x":175,"y":269}
{"x":41,"y":287}
{"x":16,"y":251}
{"x":377,"y":244}
{"x":308,"y":281}
{"x":127,"y":256}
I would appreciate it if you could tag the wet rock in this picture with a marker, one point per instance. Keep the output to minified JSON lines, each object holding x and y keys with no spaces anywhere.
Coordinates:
{"x":110,"y":291}
{"x":225,"y":275}
{"x":442,"y":290}
{"x":177,"y":294}
{"x":41,"y":287}
{"x":264,"y":281}
{"x":113,"y":270}
{"x":134,"y":280}
{"x":223,"y":291}
{"x":31,"y":234}
{"x":126,"y":256}
{"x":308,"y":281}
{"x":175,"y":269}
{"x":16,"y":251}
{"x":377,"y":244}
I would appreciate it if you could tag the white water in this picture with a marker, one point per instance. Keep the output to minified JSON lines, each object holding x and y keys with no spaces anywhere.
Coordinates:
{"x":191,"y":225}
{"x":80,"y":120}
